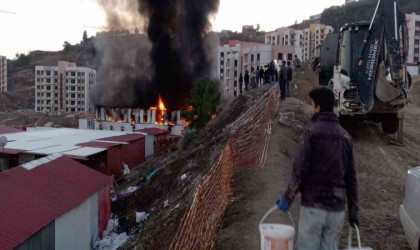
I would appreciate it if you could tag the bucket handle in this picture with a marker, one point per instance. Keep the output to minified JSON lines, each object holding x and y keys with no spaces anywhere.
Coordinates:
{"x":358,"y":237}
{"x":271,"y":210}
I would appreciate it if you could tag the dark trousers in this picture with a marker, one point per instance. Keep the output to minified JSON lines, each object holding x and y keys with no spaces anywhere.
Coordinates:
{"x":283,"y":88}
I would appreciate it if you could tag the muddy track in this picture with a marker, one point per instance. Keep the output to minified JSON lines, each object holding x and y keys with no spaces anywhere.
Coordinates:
{"x":381,"y":169}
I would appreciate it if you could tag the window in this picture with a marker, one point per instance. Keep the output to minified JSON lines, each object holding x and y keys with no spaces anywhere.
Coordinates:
{"x":73,"y":81}
{"x":48,"y":80}
{"x":122,"y":128}
{"x":48,"y":73}
{"x":48,"y":87}
{"x":111,"y":127}
{"x":72,"y":73}
{"x":280,"y":56}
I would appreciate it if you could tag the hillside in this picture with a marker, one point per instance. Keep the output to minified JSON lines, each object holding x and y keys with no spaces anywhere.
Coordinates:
{"x":337,"y":16}
{"x":21,"y":72}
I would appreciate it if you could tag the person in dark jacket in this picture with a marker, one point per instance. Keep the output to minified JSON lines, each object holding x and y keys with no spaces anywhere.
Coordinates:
{"x":246,"y":79}
{"x":283,"y":80}
{"x":325,"y":175}
{"x":261,"y":73}
{"x":289,"y":78}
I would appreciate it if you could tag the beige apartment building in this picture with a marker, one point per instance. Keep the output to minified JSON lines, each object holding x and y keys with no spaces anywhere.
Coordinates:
{"x":304,"y":41}
{"x":64,"y":88}
{"x":413,"y":26}
{"x":238,"y":57}
{"x":3,"y":74}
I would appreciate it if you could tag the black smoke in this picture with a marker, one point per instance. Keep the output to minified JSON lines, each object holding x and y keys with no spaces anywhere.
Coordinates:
{"x":179,"y":53}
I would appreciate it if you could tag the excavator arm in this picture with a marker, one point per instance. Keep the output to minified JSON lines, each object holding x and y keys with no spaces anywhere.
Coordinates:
{"x":384,"y":45}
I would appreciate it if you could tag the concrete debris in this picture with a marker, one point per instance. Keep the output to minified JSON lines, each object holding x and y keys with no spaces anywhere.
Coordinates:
{"x":165,"y":203}
{"x":183,"y":177}
{"x":141,"y":216}
{"x":288,"y":119}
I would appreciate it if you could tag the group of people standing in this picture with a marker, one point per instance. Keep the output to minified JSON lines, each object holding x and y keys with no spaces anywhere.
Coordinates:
{"x":269,"y":74}
{"x":255,"y":79}
{"x":286,"y":77}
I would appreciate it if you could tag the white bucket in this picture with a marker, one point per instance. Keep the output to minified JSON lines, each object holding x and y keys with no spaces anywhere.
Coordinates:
{"x":349,"y":247}
{"x":276,"y":236}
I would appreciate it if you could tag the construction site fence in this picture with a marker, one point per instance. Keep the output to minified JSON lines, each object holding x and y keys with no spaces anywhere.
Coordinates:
{"x":247,"y":147}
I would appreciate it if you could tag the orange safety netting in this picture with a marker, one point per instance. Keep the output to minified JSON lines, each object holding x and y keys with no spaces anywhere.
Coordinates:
{"x":247,"y":147}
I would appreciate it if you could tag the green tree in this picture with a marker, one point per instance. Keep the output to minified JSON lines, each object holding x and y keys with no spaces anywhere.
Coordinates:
{"x":85,"y":37}
{"x":66,"y":45}
{"x":258,"y":27}
{"x":21,"y":60}
{"x":204,"y":100}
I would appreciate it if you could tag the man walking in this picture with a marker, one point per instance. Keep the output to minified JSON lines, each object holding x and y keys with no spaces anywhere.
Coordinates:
{"x":246,"y":79}
{"x":325,"y":175}
{"x":296,"y":62}
{"x":283,"y":80}
{"x":261,"y":74}
{"x":289,"y":78}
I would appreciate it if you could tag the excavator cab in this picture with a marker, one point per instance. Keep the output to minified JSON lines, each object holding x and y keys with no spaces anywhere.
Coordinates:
{"x":370,"y":79}
{"x":351,"y":40}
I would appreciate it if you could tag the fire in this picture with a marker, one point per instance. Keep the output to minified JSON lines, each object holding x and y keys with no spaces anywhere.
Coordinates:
{"x":160,"y":116}
{"x":161,"y":105}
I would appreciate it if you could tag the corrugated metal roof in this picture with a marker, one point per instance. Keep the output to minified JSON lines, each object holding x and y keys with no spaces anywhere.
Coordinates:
{"x":31,"y":199}
{"x":122,"y":138}
{"x":8,"y":130}
{"x":154,"y":131}
{"x":52,"y":150}
{"x":83,"y":152}
{"x":98,"y":144}
{"x":52,"y":140}
{"x":11,"y":151}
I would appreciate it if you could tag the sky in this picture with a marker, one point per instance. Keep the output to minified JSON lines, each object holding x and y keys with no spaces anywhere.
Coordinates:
{"x":46,"y":24}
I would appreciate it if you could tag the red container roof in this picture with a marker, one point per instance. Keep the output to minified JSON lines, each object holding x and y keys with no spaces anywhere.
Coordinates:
{"x":31,"y":199}
{"x":154,"y":131}
{"x":122,"y":138}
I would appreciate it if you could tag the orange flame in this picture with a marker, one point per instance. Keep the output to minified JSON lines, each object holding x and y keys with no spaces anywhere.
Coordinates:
{"x":161,"y":105}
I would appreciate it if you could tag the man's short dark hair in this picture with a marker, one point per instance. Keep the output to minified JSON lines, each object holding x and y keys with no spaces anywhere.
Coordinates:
{"x":288,"y":63}
{"x":324,"y":97}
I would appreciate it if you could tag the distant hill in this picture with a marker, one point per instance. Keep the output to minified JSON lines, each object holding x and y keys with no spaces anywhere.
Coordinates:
{"x":362,"y":10}
{"x":21,"y":72}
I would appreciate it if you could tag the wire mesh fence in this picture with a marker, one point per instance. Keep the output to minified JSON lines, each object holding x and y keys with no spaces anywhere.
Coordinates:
{"x":247,"y":147}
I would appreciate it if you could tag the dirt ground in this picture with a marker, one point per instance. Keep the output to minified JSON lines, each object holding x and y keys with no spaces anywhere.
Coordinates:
{"x":381,"y":169}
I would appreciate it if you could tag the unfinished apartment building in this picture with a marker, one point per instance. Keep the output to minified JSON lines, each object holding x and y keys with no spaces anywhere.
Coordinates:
{"x":3,"y":74}
{"x":64,"y":88}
